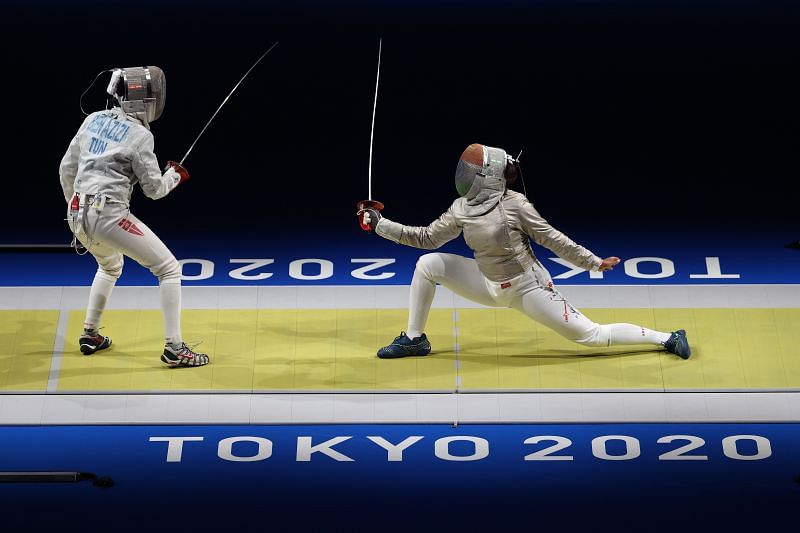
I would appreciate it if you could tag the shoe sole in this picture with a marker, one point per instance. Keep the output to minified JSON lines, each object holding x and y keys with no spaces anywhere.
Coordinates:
{"x":398,"y":356}
{"x":88,"y":349}
{"x":176,"y":364}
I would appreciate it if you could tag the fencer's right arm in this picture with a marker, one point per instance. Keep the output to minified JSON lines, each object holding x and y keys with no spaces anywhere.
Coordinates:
{"x":154,"y":184}
{"x":437,"y":233}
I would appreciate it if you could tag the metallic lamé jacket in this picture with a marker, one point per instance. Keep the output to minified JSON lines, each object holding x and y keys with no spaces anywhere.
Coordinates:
{"x":499,"y":238}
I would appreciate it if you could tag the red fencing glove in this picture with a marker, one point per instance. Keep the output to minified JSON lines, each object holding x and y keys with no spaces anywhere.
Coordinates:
{"x":369,"y":214}
{"x":182,"y":172}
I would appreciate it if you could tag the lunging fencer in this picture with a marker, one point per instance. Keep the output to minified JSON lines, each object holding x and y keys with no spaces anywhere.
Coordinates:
{"x":498,"y":224}
{"x":112,"y":151}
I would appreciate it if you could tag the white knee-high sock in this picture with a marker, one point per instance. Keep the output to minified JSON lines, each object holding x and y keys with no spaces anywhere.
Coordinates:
{"x":420,"y":300}
{"x":619,"y":334}
{"x":171,"y":307}
{"x":102,"y":285}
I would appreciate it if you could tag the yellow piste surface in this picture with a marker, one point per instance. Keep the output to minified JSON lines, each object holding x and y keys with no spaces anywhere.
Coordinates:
{"x":27,"y":340}
{"x":334,"y":350}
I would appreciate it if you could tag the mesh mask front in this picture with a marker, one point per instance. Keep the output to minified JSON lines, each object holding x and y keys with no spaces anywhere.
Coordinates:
{"x":482,"y":186}
{"x":466,"y":176}
{"x":143,"y":92}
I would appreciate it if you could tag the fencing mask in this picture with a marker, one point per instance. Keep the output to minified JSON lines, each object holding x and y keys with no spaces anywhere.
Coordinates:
{"x":480,"y":178}
{"x":139,"y":91}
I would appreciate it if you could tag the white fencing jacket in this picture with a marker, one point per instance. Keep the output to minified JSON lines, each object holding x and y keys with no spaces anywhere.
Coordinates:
{"x":499,"y":238}
{"x":110,"y":153}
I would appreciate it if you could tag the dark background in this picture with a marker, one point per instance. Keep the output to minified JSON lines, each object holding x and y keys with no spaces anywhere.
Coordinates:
{"x":634,"y":116}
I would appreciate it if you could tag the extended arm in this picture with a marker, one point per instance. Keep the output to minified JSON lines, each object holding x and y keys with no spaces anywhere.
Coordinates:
{"x":437,"y":233}
{"x":546,"y":235}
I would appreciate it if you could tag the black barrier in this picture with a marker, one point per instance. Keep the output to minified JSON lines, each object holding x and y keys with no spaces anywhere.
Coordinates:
{"x":55,"y":477}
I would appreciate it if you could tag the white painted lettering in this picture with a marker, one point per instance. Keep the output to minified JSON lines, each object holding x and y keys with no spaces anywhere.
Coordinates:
{"x":600,"y":450}
{"x":296,"y":269}
{"x":667,"y":267}
{"x":480,"y":451}
{"x":206,"y":269}
{"x":372,"y":264}
{"x":573,"y":270}
{"x":305,"y":449}
{"x":730,"y":449}
{"x":713,"y":271}
{"x":175,"y":446}
{"x":250,"y":265}
{"x":225,"y":449}
{"x":395,"y":451}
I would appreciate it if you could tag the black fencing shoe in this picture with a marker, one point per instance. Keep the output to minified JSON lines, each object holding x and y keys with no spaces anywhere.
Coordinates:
{"x":183,"y":356}
{"x":92,"y":341}
{"x":678,"y":344}
{"x":402,"y":346}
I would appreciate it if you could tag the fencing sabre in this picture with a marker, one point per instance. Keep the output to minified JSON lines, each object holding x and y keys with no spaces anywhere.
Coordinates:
{"x":58,"y":248}
{"x":369,"y":202}
{"x":189,"y":151}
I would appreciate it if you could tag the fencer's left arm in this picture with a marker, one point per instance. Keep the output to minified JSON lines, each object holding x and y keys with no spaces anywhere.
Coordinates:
{"x":68,"y":168}
{"x":546,"y":235}
{"x":436,"y":234}
{"x":145,"y":165}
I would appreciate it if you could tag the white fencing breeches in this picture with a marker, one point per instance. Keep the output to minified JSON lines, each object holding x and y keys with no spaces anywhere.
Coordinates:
{"x":531,"y":294}
{"x":113,"y":233}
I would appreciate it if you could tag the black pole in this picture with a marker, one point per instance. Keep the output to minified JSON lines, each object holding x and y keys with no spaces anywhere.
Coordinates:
{"x":55,"y":477}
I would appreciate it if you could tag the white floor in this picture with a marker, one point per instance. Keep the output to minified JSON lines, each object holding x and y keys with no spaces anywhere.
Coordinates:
{"x":449,"y":408}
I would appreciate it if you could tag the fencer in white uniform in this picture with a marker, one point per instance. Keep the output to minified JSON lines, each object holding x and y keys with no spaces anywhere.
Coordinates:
{"x":112,"y":152}
{"x":498,"y":224}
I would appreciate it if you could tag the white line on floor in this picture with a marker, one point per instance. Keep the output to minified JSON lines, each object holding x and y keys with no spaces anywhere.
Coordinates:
{"x":58,"y":351}
{"x":392,"y":296}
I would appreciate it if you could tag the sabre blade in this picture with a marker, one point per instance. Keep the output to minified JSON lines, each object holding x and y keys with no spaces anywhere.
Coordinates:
{"x":189,"y":151}
{"x":374,"y":107}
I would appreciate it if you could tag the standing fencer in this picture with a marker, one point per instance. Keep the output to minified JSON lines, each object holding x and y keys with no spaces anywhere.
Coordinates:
{"x":112,"y":151}
{"x":497,"y":224}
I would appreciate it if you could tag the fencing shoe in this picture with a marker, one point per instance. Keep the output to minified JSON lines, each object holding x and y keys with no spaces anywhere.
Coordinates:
{"x":92,"y":341}
{"x":402,"y":346}
{"x":678,"y":344}
{"x":183,"y":356}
